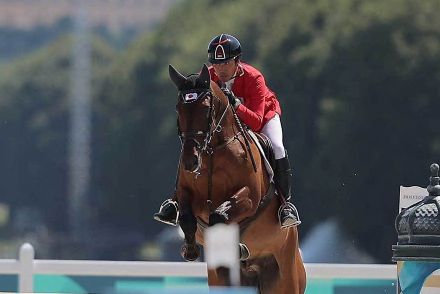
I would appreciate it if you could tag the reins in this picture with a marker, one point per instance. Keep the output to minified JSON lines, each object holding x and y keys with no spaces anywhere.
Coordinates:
{"x":246,"y":141}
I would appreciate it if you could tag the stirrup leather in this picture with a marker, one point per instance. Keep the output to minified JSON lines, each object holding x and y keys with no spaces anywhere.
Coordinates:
{"x":292,"y":221}
{"x":172,"y":222}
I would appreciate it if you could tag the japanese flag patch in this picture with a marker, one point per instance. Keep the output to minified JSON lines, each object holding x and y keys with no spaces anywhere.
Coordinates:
{"x":190,"y":97}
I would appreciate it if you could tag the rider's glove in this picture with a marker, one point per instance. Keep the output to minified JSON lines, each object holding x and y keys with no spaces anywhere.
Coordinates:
{"x":234,"y":101}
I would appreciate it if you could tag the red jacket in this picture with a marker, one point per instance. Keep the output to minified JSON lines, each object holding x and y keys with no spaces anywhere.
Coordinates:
{"x":259,"y":103}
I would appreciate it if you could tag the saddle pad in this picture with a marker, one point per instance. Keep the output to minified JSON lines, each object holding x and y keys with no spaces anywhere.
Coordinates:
{"x":266,"y":161}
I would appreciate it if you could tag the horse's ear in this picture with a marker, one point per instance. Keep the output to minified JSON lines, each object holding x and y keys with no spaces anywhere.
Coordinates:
{"x":177,"y":78}
{"x":205,"y":77}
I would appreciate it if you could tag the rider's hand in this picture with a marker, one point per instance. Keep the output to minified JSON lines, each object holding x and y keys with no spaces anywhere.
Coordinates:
{"x":234,"y":101}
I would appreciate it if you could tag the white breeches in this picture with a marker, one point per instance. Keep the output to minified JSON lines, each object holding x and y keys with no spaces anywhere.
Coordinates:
{"x":273,"y":130}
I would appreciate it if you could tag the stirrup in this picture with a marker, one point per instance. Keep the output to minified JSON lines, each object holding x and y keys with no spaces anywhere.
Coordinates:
{"x":159,"y":216}
{"x":244,"y":252}
{"x":292,"y":220}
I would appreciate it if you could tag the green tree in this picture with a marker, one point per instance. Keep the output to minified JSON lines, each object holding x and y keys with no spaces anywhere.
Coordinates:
{"x":34,"y":128}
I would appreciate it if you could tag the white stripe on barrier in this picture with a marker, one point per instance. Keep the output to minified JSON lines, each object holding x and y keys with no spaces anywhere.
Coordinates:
{"x":120,"y":268}
{"x":351,"y":271}
{"x":9,"y":266}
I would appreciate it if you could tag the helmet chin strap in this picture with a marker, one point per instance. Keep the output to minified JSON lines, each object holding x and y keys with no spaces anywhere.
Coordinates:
{"x":238,"y":72}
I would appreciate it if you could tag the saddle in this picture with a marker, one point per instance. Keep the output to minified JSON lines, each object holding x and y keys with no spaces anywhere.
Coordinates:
{"x":265,"y":146}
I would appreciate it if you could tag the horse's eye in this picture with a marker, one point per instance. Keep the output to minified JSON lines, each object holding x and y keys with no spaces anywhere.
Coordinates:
{"x":206,"y":102}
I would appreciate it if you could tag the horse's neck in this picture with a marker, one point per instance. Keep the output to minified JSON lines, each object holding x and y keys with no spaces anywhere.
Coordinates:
{"x":226,"y":131}
{"x":228,"y":128}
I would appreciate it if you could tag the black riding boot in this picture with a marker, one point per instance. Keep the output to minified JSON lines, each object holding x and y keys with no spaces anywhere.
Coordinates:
{"x":287,"y":213}
{"x":168,"y":212}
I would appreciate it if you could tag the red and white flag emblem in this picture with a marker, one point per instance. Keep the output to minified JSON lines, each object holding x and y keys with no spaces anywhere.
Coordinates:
{"x":190,"y":97}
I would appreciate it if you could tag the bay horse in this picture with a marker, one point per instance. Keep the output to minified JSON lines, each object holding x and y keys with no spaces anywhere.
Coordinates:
{"x":222,"y":178}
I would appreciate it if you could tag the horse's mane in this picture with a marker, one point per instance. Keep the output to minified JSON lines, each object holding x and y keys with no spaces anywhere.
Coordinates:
{"x":217,"y":91}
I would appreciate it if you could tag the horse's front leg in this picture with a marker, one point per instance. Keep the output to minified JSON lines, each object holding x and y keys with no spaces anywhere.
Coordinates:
{"x":237,"y":207}
{"x":190,"y":251}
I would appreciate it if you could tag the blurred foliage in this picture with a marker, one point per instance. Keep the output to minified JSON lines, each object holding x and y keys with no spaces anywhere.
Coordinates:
{"x":15,"y":42}
{"x":34,"y":127}
{"x":4,"y":215}
{"x":358,"y":82}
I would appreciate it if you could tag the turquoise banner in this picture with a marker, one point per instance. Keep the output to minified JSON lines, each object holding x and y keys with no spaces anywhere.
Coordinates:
{"x":178,"y":285}
{"x":412,"y":275}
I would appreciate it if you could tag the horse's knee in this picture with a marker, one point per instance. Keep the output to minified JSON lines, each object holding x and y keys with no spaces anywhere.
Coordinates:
{"x":188,"y":222}
{"x":216,"y":218}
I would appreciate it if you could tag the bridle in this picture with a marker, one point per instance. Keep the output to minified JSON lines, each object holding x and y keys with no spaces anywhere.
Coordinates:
{"x":207,"y":134}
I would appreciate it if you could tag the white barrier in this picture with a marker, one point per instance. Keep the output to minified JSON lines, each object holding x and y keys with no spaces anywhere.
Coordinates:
{"x":26,"y":266}
{"x":222,"y":250}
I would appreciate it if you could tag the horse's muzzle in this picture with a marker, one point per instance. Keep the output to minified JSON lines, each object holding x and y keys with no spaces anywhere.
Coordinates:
{"x":191,"y":158}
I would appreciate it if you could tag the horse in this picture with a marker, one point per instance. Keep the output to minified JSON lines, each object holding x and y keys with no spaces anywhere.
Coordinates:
{"x":222,"y":178}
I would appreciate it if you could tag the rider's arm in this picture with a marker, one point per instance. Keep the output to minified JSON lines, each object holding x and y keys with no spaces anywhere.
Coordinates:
{"x":251,"y":111}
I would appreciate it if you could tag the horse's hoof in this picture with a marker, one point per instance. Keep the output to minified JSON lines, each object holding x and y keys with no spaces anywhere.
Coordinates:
{"x":190,"y":252}
{"x":244,"y":251}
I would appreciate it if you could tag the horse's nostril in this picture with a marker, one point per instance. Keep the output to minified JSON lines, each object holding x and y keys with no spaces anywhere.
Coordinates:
{"x":191,"y":163}
{"x":190,"y":156}
{"x":195,"y":163}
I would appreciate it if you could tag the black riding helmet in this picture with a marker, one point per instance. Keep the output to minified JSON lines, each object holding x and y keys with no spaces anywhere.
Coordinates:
{"x":223,"y":48}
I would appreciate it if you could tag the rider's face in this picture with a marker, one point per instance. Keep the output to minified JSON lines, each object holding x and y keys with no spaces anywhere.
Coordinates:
{"x":226,"y":70}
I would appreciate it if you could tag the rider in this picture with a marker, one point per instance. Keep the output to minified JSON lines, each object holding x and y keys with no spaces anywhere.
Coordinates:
{"x":257,"y":107}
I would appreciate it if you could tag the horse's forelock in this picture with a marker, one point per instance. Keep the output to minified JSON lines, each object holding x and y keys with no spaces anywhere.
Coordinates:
{"x":193,"y":82}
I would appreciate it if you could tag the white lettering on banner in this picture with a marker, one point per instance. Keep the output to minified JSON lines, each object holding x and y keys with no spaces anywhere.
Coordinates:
{"x":411,"y":195}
